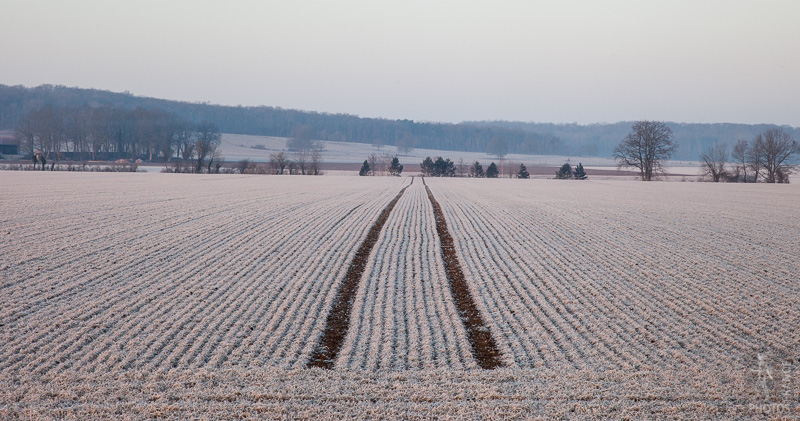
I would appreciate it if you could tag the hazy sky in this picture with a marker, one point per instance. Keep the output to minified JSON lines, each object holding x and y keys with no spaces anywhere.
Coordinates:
{"x":559,"y":61}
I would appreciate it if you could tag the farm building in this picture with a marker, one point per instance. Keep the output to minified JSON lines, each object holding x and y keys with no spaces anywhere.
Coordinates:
{"x":9,"y":145}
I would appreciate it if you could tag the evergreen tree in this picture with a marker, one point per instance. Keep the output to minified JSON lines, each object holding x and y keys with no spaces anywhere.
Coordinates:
{"x":364,"y":168}
{"x":444,"y":167}
{"x":523,"y":172}
{"x":395,"y":168}
{"x":492,"y":171}
{"x":427,"y":166}
{"x":579,"y":173}
{"x":476,"y":170}
{"x":565,"y":172}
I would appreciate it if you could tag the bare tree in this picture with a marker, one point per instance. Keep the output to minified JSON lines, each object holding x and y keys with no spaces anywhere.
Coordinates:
{"x":50,"y":127}
{"x":498,"y":147}
{"x":278,"y":162}
{"x":243,"y":166}
{"x":187,"y":151}
{"x":405,"y":144}
{"x":215,"y":160}
{"x":777,"y":149}
{"x":462,"y":167}
{"x":316,"y":163}
{"x":714,"y":160}
{"x":755,"y":156}
{"x":373,"y":163}
{"x":385,"y":163}
{"x":301,"y":159}
{"x":206,"y":144}
{"x":27,"y":133}
{"x":76,"y":125}
{"x":739,"y":155}
{"x":647,"y":145}
{"x":303,"y":140}
{"x":184,"y":138}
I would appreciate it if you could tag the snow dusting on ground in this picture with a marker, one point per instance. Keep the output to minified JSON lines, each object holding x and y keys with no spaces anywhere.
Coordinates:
{"x":202,"y":296}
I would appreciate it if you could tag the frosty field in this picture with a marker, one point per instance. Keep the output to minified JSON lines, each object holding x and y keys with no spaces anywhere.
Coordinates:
{"x":204,"y":296}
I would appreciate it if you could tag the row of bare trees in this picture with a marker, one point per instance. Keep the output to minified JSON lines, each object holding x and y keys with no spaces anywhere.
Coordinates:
{"x":299,"y":163}
{"x":108,"y":133}
{"x":768,"y":157}
{"x":305,"y":157}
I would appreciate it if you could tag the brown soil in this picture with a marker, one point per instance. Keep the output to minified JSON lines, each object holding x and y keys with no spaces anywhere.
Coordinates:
{"x":484,"y":348}
{"x":338,"y":321}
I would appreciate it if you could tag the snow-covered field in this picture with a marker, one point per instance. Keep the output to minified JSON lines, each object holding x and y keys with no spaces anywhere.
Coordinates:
{"x":186,"y":296}
{"x":258,"y":148}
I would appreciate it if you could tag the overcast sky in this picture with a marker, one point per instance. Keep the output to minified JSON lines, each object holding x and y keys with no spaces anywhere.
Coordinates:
{"x":545,"y":61}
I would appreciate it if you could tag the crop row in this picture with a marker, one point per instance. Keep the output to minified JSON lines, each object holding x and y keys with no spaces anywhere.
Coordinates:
{"x":195,"y":273}
{"x":656,"y":277}
{"x":403,"y":315}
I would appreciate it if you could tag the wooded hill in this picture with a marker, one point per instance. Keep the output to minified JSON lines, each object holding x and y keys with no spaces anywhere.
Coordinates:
{"x":600,"y":139}
{"x":531,"y":138}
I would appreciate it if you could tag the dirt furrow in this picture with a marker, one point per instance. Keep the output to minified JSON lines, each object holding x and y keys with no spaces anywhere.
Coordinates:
{"x":484,"y":347}
{"x":338,"y":320}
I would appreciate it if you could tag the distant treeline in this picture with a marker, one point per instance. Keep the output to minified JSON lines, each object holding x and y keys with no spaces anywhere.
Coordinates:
{"x":16,"y":101}
{"x":105,"y":133}
{"x":533,"y":138}
{"x":601,"y":139}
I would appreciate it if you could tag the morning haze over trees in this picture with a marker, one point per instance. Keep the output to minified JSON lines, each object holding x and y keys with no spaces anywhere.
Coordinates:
{"x":645,"y":148}
{"x":110,"y":133}
{"x":494,"y":137}
{"x":769,"y":157}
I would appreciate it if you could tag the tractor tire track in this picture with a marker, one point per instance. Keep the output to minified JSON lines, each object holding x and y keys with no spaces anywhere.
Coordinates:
{"x":484,"y":347}
{"x":338,"y":320}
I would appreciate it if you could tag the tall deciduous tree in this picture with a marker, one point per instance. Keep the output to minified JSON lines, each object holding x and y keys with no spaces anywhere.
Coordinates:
{"x":277,"y":162}
{"x":739,"y":155}
{"x":647,"y":145}
{"x":777,"y":149}
{"x":315,"y":167}
{"x":373,"y":159}
{"x":206,"y":144}
{"x":755,"y":156}
{"x":498,"y":147}
{"x":714,"y":160}
{"x":303,"y":140}
{"x":405,"y":143}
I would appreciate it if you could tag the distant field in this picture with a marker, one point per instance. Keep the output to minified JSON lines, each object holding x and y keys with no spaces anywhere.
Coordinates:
{"x":236,"y":147}
{"x":186,"y":296}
